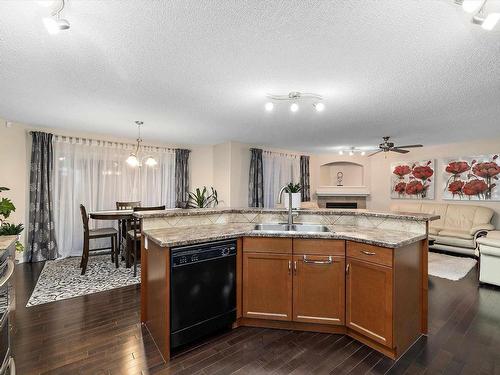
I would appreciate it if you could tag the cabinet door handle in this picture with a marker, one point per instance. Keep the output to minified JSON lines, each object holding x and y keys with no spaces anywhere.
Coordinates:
{"x":329,"y":261}
{"x":347,"y":268}
{"x":289,"y":267}
{"x":368,"y":252}
{"x":295,"y":266}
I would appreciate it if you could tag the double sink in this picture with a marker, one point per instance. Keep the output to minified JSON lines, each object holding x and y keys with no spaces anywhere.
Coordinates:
{"x":292,"y":228}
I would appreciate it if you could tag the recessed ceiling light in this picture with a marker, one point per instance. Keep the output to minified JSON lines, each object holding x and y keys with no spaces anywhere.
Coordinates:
{"x":363,"y":153}
{"x":319,"y":107}
{"x":269,"y":106}
{"x":294,"y":107}
{"x":490,"y":21}
{"x":341,"y":152}
{"x":351,"y":153}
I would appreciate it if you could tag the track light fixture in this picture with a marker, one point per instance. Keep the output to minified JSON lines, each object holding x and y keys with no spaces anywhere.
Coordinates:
{"x":487,"y":21}
{"x":55,"y":23}
{"x":296,"y":97}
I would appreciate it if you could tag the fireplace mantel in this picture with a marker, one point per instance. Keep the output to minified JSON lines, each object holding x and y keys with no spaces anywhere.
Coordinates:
{"x":342,"y":191}
{"x":342,"y":195}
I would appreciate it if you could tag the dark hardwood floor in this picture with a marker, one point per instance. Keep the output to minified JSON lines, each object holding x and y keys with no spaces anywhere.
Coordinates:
{"x":101,"y":334}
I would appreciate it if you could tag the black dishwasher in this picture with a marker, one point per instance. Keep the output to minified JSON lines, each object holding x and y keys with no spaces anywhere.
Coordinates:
{"x":202,"y":290}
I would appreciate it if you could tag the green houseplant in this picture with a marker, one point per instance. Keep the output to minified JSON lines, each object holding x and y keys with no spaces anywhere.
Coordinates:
{"x":294,"y":190}
{"x":203,"y":198}
{"x":9,"y":229}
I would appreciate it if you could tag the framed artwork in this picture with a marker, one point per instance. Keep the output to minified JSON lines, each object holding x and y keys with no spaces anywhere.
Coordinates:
{"x":412,"y":179}
{"x":472,"y":178}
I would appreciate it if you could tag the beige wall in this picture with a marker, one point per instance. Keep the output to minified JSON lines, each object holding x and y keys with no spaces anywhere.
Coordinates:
{"x":381,"y":187}
{"x":321,"y":159}
{"x":15,"y":149}
{"x":352,"y":174}
{"x":14,"y":168}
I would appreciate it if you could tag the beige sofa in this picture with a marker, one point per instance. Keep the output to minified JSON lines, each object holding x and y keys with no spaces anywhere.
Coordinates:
{"x":459,"y":226}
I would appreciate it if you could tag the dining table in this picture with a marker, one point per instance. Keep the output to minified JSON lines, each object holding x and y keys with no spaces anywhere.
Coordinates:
{"x":119,"y":216}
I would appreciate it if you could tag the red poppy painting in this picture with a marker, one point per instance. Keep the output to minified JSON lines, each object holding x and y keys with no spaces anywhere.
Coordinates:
{"x":472,"y":178}
{"x":412,"y":180}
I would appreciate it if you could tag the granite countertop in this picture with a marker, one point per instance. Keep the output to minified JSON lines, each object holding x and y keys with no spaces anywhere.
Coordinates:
{"x":316,"y":211}
{"x":182,"y":236}
{"x":7,"y":241}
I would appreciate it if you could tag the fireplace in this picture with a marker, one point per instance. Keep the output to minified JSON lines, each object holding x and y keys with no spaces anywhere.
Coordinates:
{"x":342,"y":205}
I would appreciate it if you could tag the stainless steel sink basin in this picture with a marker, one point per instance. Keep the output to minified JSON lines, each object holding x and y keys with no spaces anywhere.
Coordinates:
{"x":292,"y":227}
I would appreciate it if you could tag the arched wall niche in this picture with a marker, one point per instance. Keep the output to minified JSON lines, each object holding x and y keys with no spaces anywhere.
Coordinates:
{"x":353,"y":173}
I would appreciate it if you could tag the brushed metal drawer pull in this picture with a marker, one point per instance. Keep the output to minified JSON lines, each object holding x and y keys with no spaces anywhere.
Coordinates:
{"x":289,"y":267}
{"x":329,"y":261}
{"x":368,"y":252}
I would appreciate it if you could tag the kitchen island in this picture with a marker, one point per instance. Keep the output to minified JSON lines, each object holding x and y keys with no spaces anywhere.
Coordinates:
{"x":365,"y":275}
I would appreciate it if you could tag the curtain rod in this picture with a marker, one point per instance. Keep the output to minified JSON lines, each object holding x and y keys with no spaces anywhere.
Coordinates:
{"x":104,"y":142}
{"x":282,"y":154}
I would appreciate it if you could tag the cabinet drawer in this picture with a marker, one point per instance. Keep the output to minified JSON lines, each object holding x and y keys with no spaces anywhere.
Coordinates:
{"x":370,"y":253}
{"x":267,"y":245}
{"x":318,"y":247}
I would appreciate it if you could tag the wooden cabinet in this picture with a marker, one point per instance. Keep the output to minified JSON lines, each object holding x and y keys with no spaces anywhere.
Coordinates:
{"x":369,"y":300}
{"x":318,"y":289}
{"x":267,"y":286}
{"x":308,"y":288}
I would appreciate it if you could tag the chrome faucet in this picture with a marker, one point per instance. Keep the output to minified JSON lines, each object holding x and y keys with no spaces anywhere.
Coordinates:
{"x":290,"y":212}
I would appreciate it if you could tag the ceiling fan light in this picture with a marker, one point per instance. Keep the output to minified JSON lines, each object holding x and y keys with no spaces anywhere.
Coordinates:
{"x":269,"y":106}
{"x":294,"y":107}
{"x":470,"y":6}
{"x":319,"y":107}
{"x":133,"y":161}
{"x":351,"y":153}
{"x":490,"y":21}
{"x":150,"y":161}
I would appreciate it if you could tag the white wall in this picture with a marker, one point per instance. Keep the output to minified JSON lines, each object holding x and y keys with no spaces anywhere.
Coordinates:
{"x":380,"y":181}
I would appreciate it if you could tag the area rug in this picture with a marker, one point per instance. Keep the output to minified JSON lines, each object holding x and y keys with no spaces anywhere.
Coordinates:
{"x":61,"y":279}
{"x":449,"y":267}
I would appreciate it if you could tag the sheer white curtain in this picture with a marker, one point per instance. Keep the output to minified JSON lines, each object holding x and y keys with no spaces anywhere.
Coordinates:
{"x":95,"y":174}
{"x":279,"y":169}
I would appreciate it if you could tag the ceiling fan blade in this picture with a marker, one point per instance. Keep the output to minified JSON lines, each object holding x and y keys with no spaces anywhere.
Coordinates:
{"x":410,"y":146}
{"x":374,"y":153}
{"x":401,"y":151}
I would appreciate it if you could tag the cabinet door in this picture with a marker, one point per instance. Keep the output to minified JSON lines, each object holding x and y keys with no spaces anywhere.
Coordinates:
{"x":319,"y":289}
{"x":267,"y":286}
{"x":369,"y":300}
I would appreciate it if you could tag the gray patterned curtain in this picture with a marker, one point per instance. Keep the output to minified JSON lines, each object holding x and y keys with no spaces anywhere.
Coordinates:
{"x":41,"y":234}
{"x":181,"y":177}
{"x":305,"y":193}
{"x":255,"y":181}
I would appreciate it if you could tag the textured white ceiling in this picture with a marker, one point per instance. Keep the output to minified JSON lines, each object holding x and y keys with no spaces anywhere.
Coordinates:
{"x":197,"y":71}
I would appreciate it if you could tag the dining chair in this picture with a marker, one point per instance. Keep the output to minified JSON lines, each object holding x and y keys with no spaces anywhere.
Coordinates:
{"x":124,"y":224}
{"x":127,"y":205}
{"x":134,"y":236}
{"x":92,"y":234}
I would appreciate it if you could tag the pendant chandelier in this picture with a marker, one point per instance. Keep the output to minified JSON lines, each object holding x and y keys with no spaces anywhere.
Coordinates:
{"x":135,"y":159}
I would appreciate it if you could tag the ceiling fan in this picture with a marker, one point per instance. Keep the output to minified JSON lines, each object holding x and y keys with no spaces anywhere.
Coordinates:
{"x":387,"y":146}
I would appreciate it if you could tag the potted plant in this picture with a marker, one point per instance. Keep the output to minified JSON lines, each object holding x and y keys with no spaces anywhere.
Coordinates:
{"x":9,"y":229}
{"x":203,"y":198}
{"x":293,"y":189}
